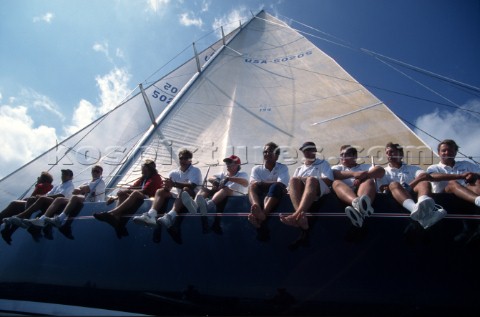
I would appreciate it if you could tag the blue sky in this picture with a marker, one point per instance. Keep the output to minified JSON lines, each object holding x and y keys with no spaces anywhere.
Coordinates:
{"x":64,"y":62}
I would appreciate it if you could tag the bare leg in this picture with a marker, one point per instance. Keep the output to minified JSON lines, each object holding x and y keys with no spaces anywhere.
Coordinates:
{"x":298,"y":218}
{"x":129,"y":204}
{"x":42,"y":204}
{"x":255,"y":209}
{"x":344,"y":192}
{"x":469,"y":194}
{"x":398,"y":192}
{"x":14,"y":208}
{"x":56,"y":206}
{"x":161,"y":196}
{"x":367,"y":188}
{"x":296,"y":188}
{"x":221,"y":195}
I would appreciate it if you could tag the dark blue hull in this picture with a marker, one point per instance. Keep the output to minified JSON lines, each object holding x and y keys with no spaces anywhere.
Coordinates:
{"x":391,"y":266}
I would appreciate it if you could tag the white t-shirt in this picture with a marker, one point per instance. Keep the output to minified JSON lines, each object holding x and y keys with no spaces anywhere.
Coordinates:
{"x":460,"y":167}
{"x":357,"y":168}
{"x":279,"y":173}
{"x":405,"y":174}
{"x":318,"y":169}
{"x":192,"y":175}
{"x":97,"y":190}
{"x":238,"y":190}
{"x":65,"y":189}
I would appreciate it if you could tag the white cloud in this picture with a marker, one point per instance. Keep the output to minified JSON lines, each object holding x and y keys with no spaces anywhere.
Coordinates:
{"x":205,"y":5}
{"x":157,"y":5}
{"x":103,"y":48}
{"x":83,"y":115}
{"x":39,"y":102}
{"x":21,"y":141}
{"x":461,"y":126}
{"x":113,"y":90}
{"x":47,"y":17}
{"x":186,"y":20}
{"x":230,"y":21}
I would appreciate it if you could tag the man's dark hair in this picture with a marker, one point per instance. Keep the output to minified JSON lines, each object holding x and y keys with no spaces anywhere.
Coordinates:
{"x":395,"y":146}
{"x":450,"y":143}
{"x":348,"y":148}
{"x":274,"y":146}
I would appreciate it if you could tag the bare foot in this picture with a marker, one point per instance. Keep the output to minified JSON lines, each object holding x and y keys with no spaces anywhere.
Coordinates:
{"x":289,"y":220}
{"x":258,"y":212}
{"x":253,"y":221}
{"x":302,"y":221}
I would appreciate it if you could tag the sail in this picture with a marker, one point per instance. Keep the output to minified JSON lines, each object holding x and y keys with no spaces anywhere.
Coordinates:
{"x":263,"y":82}
{"x":272,"y":84}
{"x":110,"y":139}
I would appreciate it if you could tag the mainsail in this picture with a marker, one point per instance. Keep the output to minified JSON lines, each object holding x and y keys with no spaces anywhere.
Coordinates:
{"x":263,"y":82}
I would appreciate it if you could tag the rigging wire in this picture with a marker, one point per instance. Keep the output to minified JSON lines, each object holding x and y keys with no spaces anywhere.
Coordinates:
{"x":471,"y":89}
{"x":438,"y":140}
{"x":384,"y":59}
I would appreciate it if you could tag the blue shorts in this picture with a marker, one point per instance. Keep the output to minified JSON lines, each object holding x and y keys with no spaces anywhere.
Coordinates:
{"x":276,"y":190}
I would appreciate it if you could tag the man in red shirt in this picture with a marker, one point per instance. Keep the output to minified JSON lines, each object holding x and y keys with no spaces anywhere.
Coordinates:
{"x":129,"y":200}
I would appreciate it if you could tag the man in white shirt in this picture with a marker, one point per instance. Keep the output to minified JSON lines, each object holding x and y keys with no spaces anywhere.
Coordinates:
{"x":65,"y":189}
{"x":92,"y":191}
{"x":182,"y":181}
{"x":309,"y":183}
{"x":232,"y":182}
{"x":354,"y":184}
{"x":402,"y":180}
{"x":461,"y":178}
{"x":269,"y":180}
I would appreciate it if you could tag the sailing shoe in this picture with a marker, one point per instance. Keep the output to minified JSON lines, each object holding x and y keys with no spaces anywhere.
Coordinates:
{"x":55,"y":221}
{"x":355,"y":216}
{"x":16,"y":221}
{"x":364,"y":205}
{"x":145,"y":220}
{"x":423,"y":209}
{"x":36,"y":222}
{"x":437,"y":214}
{"x":202,"y":204}
{"x":188,"y":202}
{"x":165,"y":220}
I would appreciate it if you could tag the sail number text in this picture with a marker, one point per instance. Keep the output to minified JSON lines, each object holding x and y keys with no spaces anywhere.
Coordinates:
{"x":277,"y":60}
{"x":166,"y":94}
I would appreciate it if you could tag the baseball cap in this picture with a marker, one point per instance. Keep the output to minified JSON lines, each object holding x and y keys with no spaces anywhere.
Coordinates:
{"x":68,"y":172}
{"x":232,"y":159}
{"x":308,"y":146}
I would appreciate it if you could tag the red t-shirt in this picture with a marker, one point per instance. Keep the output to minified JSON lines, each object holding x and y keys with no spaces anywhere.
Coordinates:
{"x":42,"y":189}
{"x":150,"y":186}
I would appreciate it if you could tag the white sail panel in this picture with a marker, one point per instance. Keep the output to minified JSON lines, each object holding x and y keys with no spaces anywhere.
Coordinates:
{"x":110,"y":139}
{"x":272,"y":84}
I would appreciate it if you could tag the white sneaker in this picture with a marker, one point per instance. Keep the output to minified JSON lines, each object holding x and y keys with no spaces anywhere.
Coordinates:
{"x":36,"y":222}
{"x":423,"y":209}
{"x":364,"y":205}
{"x":165,"y":220}
{"x":202,"y":204}
{"x":188,"y":202}
{"x":437,"y":214}
{"x":145,"y":219}
{"x":355,"y":216}
{"x":55,"y":221}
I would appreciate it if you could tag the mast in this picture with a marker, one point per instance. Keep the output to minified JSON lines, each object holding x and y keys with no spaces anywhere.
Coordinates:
{"x":155,"y":127}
